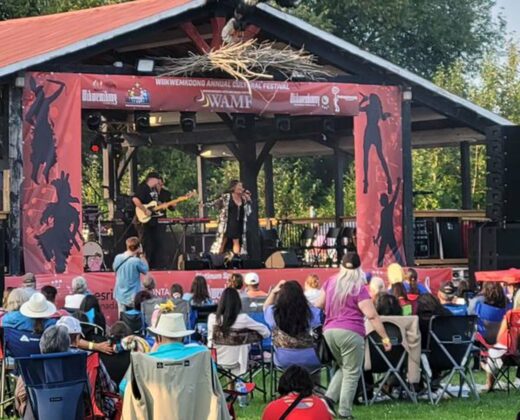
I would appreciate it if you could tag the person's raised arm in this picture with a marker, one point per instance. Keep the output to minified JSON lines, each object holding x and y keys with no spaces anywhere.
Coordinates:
{"x":270,"y":298}
{"x":367,"y":307}
{"x":397,"y":189}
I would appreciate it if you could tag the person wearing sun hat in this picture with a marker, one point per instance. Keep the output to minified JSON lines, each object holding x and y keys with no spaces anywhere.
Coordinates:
{"x":252,"y":282}
{"x":34,"y":315}
{"x":170,"y":330}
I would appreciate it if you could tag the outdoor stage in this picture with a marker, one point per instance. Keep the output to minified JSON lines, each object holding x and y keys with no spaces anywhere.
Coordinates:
{"x":102,"y":284}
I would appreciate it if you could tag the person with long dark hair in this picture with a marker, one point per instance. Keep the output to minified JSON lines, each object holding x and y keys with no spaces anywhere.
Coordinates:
{"x":296,"y":385}
{"x":199,"y":292}
{"x":291,"y":318}
{"x":91,"y":308}
{"x":234,"y":208}
{"x":224,"y":323}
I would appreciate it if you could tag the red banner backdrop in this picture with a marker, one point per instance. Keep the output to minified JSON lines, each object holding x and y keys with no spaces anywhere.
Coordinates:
{"x":378,"y":157}
{"x":217,"y":95}
{"x":51,"y":204}
{"x":102,"y":284}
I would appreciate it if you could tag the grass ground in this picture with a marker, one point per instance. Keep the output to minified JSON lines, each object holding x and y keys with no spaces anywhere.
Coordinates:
{"x":492,"y":406}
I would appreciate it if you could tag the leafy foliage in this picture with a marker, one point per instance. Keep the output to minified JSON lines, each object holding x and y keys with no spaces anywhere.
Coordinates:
{"x":421,"y":35}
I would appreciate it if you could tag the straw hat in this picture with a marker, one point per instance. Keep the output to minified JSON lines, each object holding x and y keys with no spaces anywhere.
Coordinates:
{"x":395,"y":273}
{"x":171,"y":325}
{"x":37,"y":307}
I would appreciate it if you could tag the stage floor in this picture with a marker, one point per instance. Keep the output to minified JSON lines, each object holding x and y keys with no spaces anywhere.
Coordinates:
{"x":102,"y":284}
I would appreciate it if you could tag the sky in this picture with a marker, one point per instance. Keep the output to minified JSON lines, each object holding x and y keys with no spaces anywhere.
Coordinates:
{"x":510,"y":9}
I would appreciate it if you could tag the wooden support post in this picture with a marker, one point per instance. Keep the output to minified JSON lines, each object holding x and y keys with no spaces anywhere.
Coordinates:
{"x":193,"y":33}
{"x":340,"y":163}
{"x":269,"y":186}
{"x":465,"y":175}
{"x":217,"y":24}
{"x":16,"y":167}
{"x":109,"y":180}
{"x":134,"y":180}
{"x":201,"y":184}
{"x":408,"y":218}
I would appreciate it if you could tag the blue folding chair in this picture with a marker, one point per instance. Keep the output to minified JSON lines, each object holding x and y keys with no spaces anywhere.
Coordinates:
{"x":57,"y":385}
{"x":489,"y":321}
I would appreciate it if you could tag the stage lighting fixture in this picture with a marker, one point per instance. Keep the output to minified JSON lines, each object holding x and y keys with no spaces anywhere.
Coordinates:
{"x":145,"y":65}
{"x":142,"y":120}
{"x":188,"y":121}
{"x":283,"y":123}
{"x":243,"y":121}
{"x":97,"y":144}
{"x":94,"y":121}
{"x":329,"y":125}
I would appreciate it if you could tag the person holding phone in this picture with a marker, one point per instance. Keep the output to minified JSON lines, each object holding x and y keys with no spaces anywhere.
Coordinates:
{"x":128,"y":268}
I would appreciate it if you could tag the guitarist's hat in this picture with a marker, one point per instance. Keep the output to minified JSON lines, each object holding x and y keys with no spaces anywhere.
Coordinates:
{"x":153,"y":174}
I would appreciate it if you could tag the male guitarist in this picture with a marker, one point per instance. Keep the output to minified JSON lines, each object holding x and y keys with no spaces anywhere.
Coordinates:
{"x":148,"y":232}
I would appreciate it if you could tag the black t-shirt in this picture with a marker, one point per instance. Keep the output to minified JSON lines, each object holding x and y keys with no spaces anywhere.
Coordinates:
{"x":146,"y":194}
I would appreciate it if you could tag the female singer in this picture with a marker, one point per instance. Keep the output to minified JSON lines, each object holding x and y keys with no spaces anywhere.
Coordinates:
{"x":234,"y":208}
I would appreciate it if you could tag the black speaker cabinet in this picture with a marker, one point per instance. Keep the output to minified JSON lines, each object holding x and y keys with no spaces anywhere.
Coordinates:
{"x":503,"y":173}
{"x":282,"y":259}
{"x":494,"y":246}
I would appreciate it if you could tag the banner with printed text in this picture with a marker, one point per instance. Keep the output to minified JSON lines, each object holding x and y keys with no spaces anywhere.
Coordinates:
{"x":379,"y":174}
{"x":51,"y":203}
{"x":216,"y":95}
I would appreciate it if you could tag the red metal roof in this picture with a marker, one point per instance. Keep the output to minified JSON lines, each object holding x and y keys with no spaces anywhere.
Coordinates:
{"x":29,"y":41}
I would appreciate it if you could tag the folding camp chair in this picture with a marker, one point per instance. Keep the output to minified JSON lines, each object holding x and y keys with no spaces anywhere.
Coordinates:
{"x":16,"y":343}
{"x":489,"y":321}
{"x":501,"y":366}
{"x":330,"y":245}
{"x":256,"y":362}
{"x":253,"y":305}
{"x":148,"y":307}
{"x":449,"y":349}
{"x":390,"y":363}
{"x":134,"y":320}
{"x":57,"y":385}
{"x":199,"y":320}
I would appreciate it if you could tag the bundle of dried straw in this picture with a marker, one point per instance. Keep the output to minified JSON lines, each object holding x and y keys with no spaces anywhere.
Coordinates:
{"x":246,"y":61}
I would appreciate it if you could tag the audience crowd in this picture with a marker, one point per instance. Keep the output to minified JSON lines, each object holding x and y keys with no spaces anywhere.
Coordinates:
{"x":184,"y":324}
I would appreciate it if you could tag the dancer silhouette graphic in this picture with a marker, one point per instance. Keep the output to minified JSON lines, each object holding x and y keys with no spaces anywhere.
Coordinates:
{"x":386,"y":236}
{"x":372,"y":106}
{"x":63,"y":221}
{"x":43,"y":143}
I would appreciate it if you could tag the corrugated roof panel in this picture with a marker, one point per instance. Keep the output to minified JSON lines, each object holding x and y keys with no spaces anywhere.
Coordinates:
{"x":29,"y":41}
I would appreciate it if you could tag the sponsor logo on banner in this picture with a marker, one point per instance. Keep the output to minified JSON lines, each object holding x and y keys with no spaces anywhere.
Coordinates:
{"x":310,"y":101}
{"x":225,"y":99}
{"x":98,"y":97}
{"x":138,"y":96}
{"x":338,"y":97}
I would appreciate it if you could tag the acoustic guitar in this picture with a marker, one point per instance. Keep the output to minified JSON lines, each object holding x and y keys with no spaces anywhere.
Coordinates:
{"x":154,"y":207}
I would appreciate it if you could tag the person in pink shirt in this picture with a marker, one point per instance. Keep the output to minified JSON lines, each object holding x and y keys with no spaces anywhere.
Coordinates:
{"x":347,"y":302}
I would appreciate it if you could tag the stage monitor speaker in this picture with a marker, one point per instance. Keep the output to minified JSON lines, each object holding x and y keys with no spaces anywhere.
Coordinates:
{"x":494,"y":247}
{"x":269,"y":242}
{"x":503,"y":173}
{"x":282,"y":259}
{"x":196,"y":265}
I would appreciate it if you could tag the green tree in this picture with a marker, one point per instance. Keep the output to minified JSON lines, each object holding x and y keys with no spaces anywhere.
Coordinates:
{"x":495,"y":86}
{"x":421,"y":35}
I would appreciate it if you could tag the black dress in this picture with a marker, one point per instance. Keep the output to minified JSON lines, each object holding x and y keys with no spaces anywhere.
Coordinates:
{"x":235,"y":225}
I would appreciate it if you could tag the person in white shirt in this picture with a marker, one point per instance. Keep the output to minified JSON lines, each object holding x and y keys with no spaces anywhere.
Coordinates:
{"x":312,"y":288}
{"x":228,"y":319}
{"x":79,"y":291}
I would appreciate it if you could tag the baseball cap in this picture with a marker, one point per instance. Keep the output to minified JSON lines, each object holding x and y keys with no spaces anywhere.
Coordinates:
{"x":251,"y":279}
{"x":28,"y":279}
{"x":351,"y":261}
{"x":71,"y":323}
{"x":448,"y":288}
